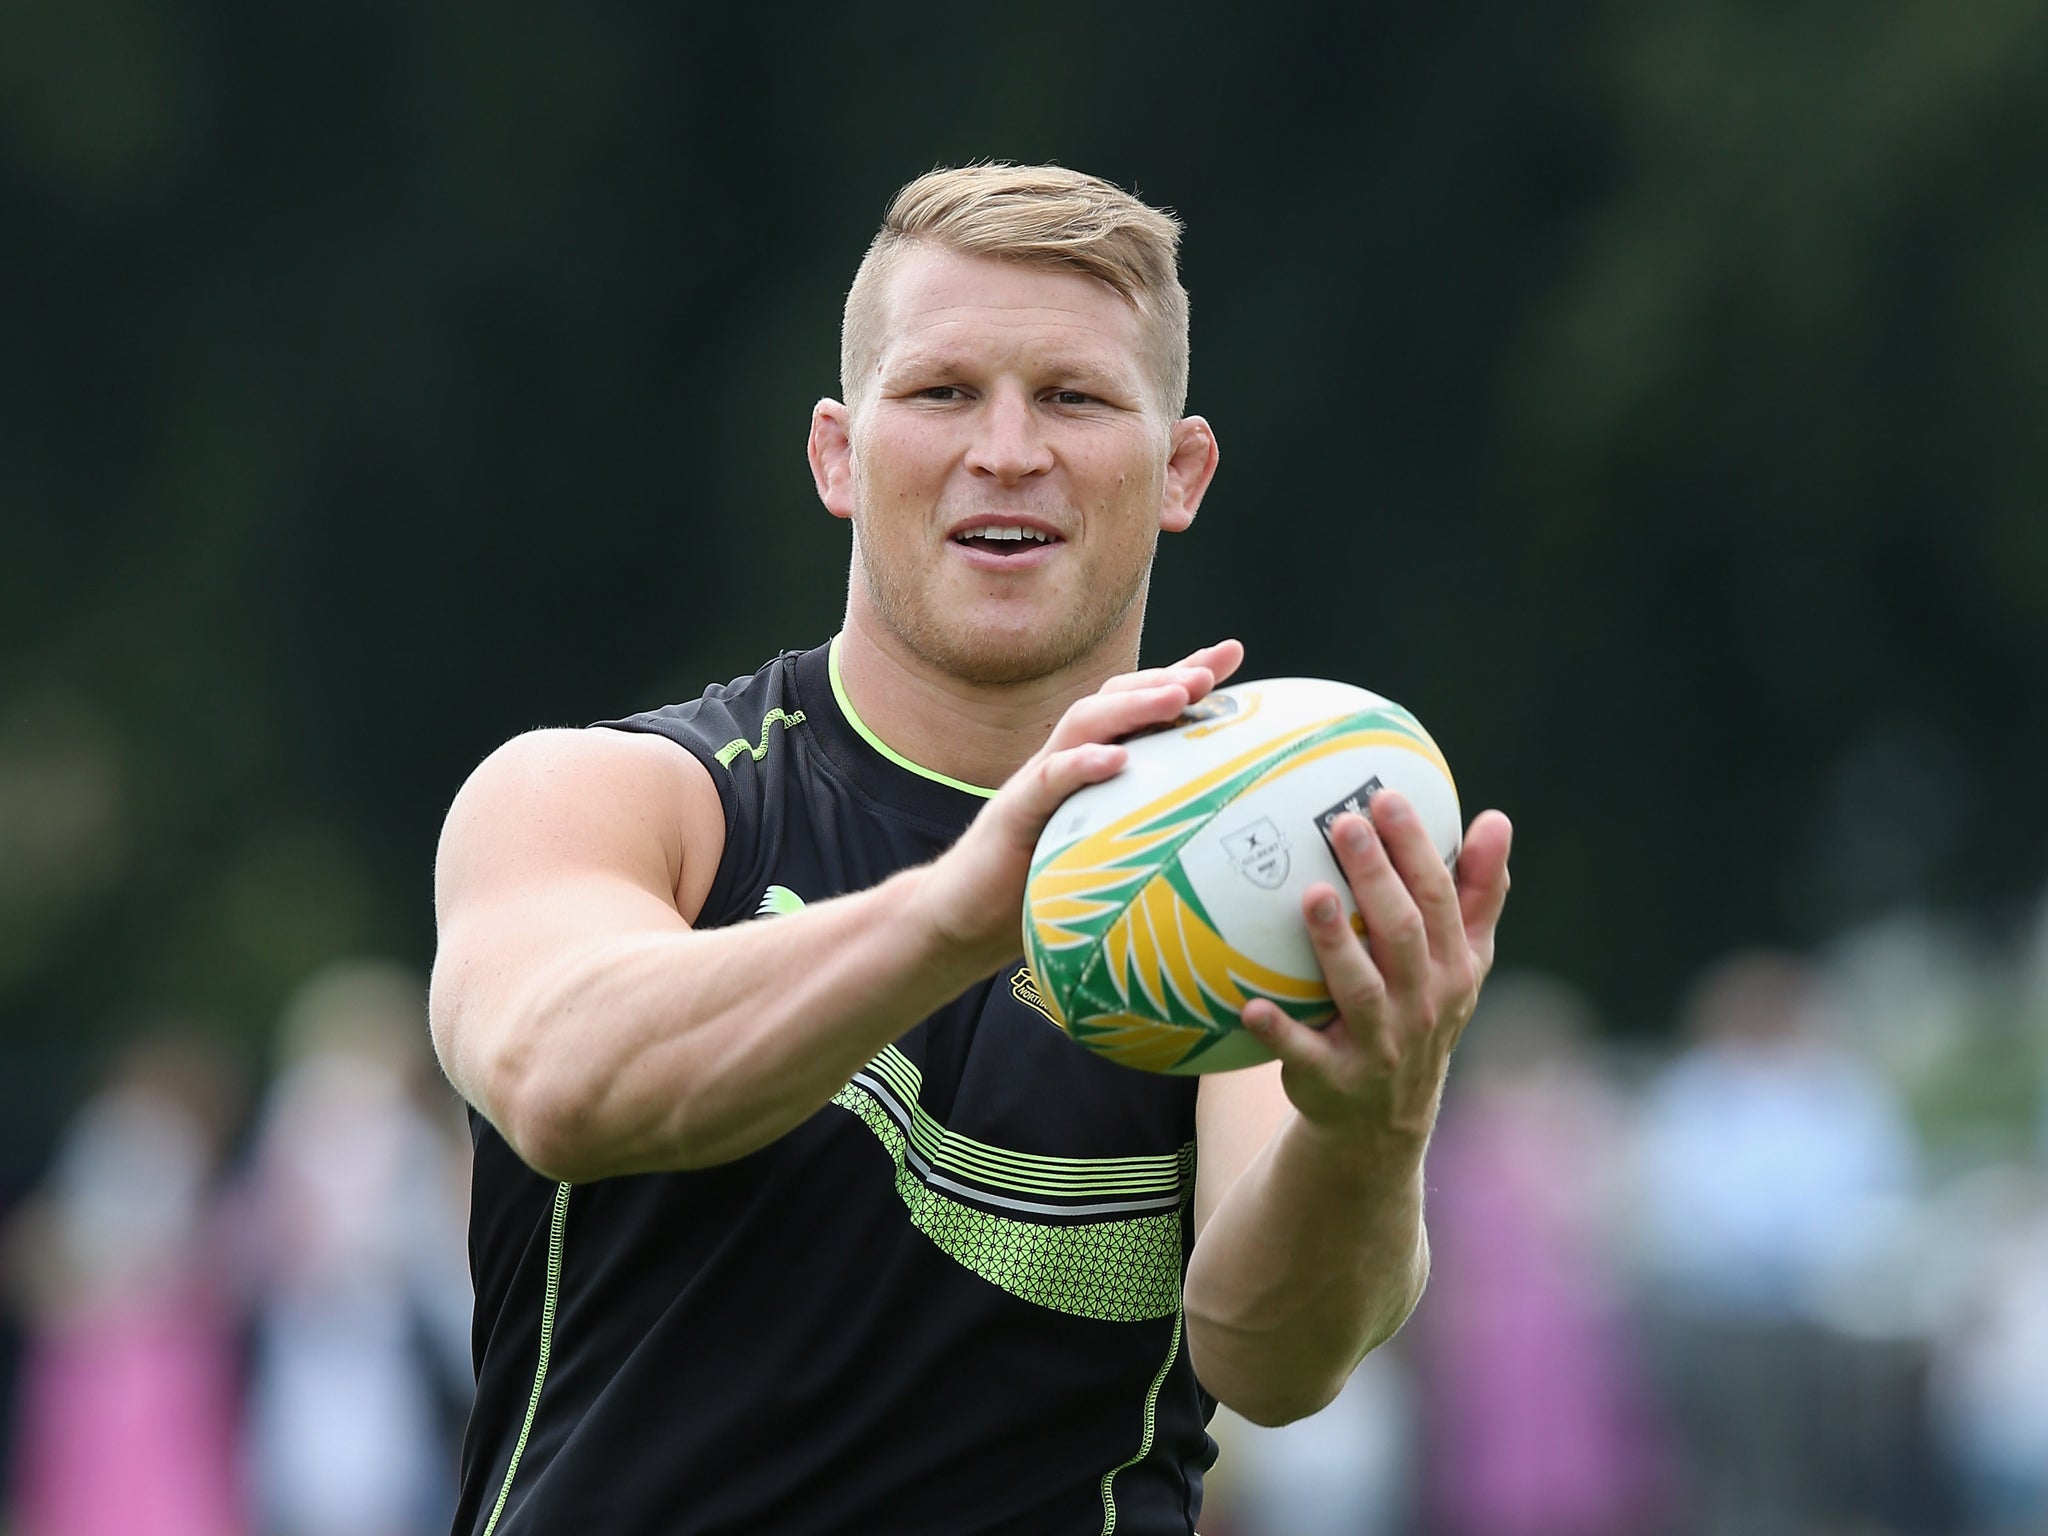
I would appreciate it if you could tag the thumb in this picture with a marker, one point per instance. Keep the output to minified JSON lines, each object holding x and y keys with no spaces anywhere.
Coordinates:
{"x":1028,"y":801}
{"x":1293,"y":1043}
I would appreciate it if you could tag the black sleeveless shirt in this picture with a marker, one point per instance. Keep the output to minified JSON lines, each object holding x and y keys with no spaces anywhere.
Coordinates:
{"x":949,"y":1303}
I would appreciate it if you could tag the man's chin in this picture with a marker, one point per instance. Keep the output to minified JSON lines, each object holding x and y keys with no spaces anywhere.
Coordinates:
{"x":1005,"y":644}
{"x":1005,"y":656}
{"x":1000,"y":660}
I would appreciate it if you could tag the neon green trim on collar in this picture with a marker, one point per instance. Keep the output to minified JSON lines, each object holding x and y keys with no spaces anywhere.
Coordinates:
{"x":853,"y":719}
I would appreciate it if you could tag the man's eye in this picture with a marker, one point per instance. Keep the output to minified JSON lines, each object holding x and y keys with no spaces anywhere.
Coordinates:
{"x":1072,"y":397}
{"x":939,"y":392}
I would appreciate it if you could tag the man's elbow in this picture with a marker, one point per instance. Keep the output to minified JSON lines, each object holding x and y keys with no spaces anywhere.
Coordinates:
{"x":1271,"y":1391}
{"x":1253,"y":1384}
{"x":537,"y":1107}
{"x":550,"y":1137}
{"x":1271,"y":1406}
{"x":572,"y":1126}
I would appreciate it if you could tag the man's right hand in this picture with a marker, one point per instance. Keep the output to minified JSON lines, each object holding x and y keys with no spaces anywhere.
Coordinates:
{"x":972,"y":897}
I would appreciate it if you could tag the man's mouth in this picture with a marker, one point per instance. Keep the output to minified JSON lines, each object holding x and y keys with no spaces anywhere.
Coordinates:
{"x":1000,"y":539}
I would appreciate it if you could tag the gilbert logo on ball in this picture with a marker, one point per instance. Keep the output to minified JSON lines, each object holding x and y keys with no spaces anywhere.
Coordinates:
{"x":1163,"y":900}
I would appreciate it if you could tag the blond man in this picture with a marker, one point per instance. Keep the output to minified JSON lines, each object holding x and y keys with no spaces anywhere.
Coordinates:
{"x":793,"y":1212}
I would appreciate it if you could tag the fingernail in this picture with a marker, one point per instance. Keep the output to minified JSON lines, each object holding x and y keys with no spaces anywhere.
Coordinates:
{"x":1325,"y":910}
{"x":1390,"y":808}
{"x":1357,"y":834}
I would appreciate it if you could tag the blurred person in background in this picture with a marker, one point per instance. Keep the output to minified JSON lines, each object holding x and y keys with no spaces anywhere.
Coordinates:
{"x":1990,"y":1387}
{"x":1764,"y":1145}
{"x":127,"y":1419}
{"x":1346,"y":1471}
{"x":355,"y":1204}
{"x":1539,"y":1416}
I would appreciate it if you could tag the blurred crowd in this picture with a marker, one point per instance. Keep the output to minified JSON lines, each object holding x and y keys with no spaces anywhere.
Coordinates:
{"x":1785,"y":1274}
{"x":249,"y":1323}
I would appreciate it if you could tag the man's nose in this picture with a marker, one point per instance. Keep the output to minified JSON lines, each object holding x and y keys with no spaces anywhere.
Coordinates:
{"x":1009,"y":441}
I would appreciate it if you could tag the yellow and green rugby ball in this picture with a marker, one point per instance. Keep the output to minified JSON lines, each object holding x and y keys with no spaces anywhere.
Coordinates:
{"x":1165,"y":898}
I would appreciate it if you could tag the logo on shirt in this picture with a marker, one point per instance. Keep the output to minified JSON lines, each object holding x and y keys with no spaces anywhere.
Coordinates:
{"x":779,"y":901}
{"x":1024,"y":987}
{"x":738,"y":747}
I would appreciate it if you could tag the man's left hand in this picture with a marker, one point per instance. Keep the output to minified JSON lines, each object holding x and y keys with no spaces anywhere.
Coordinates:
{"x":1404,"y":988}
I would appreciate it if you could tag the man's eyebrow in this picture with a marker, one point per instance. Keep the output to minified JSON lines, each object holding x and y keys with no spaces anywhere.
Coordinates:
{"x":921,"y":362}
{"x":1079,"y":368}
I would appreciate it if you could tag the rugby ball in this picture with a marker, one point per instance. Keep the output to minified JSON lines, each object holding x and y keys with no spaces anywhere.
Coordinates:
{"x":1163,"y":899}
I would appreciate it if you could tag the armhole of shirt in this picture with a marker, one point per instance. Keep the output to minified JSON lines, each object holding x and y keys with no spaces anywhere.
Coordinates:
{"x":718,"y":898}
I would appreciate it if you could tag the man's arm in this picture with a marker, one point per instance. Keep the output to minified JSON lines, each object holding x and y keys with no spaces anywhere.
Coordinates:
{"x":574,"y":1005}
{"x":1310,"y":1246}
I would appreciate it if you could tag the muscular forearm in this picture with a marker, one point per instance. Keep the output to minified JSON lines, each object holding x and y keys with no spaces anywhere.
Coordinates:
{"x":675,"y":1050}
{"x":600,"y":1035}
{"x":1316,"y":1255}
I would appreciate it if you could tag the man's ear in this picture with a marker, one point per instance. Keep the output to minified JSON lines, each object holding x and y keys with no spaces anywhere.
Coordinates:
{"x":831,"y":454}
{"x":1190,"y":466}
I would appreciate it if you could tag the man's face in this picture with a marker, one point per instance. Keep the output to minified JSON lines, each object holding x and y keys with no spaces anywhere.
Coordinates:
{"x":1008,"y":398}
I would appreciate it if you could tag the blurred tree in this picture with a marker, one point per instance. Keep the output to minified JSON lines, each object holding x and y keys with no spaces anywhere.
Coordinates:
{"x":1651,"y":399}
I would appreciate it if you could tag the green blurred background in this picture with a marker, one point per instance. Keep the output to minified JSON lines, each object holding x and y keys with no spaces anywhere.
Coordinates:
{"x":1651,"y":397}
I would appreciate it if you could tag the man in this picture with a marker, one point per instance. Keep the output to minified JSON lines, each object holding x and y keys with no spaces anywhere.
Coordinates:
{"x":791,"y":1213}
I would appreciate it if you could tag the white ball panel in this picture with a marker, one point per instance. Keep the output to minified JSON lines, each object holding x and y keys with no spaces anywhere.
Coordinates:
{"x":1251,"y":864}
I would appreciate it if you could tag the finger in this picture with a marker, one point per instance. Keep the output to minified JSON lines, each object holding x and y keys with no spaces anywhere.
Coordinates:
{"x":1029,"y":800}
{"x":1221,"y":659}
{"x":1356,"y":985}
{"x":1422,"y":871}
{"x":1189,"y":677}
{"x":1483,"y":880}
{"x":1200,"y":670}
{"x":1393,"y":923}
{"x":1292,"y":1042}
{"x":1107,"y":716}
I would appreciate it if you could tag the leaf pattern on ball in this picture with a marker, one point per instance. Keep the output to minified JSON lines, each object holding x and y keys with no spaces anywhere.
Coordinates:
{"x":1118,"y":940}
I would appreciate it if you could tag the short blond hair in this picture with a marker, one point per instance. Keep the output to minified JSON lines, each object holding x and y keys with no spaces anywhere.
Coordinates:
{"x":1037,"y":216}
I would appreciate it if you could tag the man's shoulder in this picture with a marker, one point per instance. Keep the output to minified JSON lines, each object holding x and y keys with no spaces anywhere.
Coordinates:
{"x":727,"y":720}
{"x":583,"y":766}
{"x":550,"y":802}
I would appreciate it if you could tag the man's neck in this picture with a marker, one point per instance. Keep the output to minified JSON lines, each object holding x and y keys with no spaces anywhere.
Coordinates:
{"x":977,"y":733}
